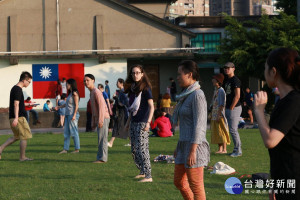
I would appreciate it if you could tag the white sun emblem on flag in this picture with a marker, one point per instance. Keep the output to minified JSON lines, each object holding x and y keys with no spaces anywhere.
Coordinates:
{"x":45,"y":72}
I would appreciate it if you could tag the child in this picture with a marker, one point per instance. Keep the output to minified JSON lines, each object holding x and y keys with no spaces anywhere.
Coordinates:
{"x":166,"y":102}
{"x":61,"y":111}
{"x":46,"y":106}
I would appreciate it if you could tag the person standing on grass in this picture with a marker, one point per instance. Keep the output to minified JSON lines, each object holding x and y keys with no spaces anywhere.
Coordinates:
{"x":17,"y":116}
{"x":107,"y":90}
{"x":71,"y":117}
{"x":62,"y":111}
{"x":88,"y":126}
{"x":141,"y":113}
{"x":121,"y":113}
{"x":58,"y":91}
{"x":64,"y":86}
{"x":192,"y":152}
{"x":106,"y":98}
{"x":219,"y":126}
{"x":233,"y":107}
{"x":282,"y":135}
{"x":173,"y":89}
{"x":100,"y":117}
{"x":248,"y":103}
{"x":166,"y":102}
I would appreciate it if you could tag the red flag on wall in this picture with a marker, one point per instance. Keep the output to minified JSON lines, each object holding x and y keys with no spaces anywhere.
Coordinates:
{"x":44,"y":81}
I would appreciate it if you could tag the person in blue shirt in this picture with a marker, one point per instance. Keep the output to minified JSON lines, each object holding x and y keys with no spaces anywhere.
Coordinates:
{"x":46,"y":106}
{"x":248,"y":103}
{"x":107,"y":90}
{"x":106,"y":98}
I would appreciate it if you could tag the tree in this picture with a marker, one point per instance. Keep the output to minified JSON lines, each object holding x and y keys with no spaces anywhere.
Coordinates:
{"x":248,"y":43}
{"x":288,"y":6}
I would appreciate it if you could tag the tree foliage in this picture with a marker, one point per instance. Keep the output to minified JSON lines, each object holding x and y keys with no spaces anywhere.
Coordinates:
{"x":248,"y":43}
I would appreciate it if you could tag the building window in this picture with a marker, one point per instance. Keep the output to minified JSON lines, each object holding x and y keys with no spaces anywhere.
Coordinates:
{"x":209,"y":41}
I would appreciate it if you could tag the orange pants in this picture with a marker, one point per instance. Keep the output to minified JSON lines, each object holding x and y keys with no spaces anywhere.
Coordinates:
{"x":190,"y":182}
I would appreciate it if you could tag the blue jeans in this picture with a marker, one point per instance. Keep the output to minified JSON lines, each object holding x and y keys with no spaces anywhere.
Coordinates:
{"x":35,"y":115}
{"x":102,"y":153}
{"x":71,"y":130}
{"x":233,"y":118}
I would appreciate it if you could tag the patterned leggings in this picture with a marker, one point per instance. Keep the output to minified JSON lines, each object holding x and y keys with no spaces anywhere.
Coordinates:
{"x":140,"y":147}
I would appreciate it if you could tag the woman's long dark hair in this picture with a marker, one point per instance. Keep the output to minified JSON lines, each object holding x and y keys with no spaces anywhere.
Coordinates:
{"x":73,"y":87}
{"x":143,"y":84}
{"x":287,"y":63}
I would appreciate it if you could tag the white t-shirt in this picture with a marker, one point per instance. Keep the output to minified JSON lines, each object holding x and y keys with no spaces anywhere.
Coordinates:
{"x":64,"y":87}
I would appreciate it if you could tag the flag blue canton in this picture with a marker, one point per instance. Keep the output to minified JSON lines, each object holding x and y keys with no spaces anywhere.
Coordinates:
{"x":45,"y":72}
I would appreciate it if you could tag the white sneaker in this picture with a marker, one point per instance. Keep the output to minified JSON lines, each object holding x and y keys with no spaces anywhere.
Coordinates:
{"x":127,"y":145}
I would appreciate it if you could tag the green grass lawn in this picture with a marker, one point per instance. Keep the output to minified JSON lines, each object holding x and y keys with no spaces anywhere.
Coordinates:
{"x":74,"y":176}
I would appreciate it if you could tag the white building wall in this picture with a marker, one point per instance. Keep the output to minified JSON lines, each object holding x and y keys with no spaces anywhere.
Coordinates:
{"x":10,"y":74}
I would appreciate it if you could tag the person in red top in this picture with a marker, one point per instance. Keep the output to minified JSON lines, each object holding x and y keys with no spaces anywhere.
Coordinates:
{"x":161,"y":126}
{"x":29,"y":108}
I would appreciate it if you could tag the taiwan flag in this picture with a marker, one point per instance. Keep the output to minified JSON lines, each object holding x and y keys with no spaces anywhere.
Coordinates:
{"x":44,"y":78}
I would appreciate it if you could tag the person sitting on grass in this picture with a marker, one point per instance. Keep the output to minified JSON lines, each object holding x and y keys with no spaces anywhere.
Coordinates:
{"x":169,"y":116}
{"x":161,"y":126}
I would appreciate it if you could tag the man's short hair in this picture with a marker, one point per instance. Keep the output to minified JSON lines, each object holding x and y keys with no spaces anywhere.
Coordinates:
{"x":48,"y":101}
{"x":229,"y":64}
{"x":106,"y":81}
{"x":25,"y":76}
{"x":100,"y":85}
